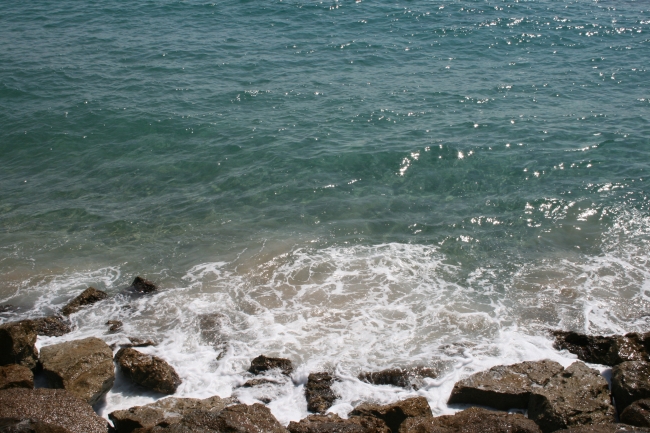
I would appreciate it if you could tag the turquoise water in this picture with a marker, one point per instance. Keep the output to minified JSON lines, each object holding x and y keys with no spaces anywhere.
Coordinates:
{"x":394,"y":176}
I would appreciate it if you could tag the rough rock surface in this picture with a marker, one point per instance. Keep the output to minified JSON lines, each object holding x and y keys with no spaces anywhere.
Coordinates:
{"x":332,"y":423}
{"x":52,"y":326}
{"x":16,"y":425}
{"x":630,"y":382}
{"x":138,"y":342}
{"x":114,"y":325}
{"x":605,"y":428}
{"x":576,"y":396}
{"x":263,"y":363}
{"x":148,"y":370}
{"x":504,"y":386}
{"x":87,"y":297}
{"x":638,"y":413}
{"x":611,"y":350}
{"x":17,"y":344}
{"x":53,"y":406}
{"x":472,"y":420}
{"x":143,"y":286}
{"x":16,"y":376}
{"x":319,"y":392}
{"x":168,"y":410}
{"x":395,"y":414}
{"x":83,"y":367}
{"x":402,"y":377}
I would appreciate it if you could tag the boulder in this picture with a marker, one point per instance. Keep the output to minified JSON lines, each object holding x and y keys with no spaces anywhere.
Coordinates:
{"x":630,"y":382}
{"x":472,"y":420}
{"x":401,"y":377}
{"x":57,"y":407}
{"x":17,"y":344}
{"x":141,"y":285}
{"x":638,"y":413}
{"x":332,"y":423}
{"x":262,"y":364}
{"x":16,"y":425}
{"x":576,"y":396}
{"x":87,"y":297}
{"x":258,"y":382}
{"x":394,"y":414}
{"x":319,"y":392}
{"x":138,"y":342}
{"x":148,"y":370}
{"x":504,"y":386}
{"x":610,"y":350}
{"x":114,"y":325}
{"x":52,"y":326}
{"x":16,"y":376}
{"x":605,"y":428}
{"x":83,"y":367}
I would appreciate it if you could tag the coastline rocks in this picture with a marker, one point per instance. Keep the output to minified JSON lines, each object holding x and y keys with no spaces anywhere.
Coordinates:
{"x":138,"y":342}
{"x":630,"y":382}
{"x":52,"y":406}
{"x":472,"y":420}
{"x":638,"y":413}
{"x":17,"y":344}
{"x":318,"y":392}
{"x":401,"y":377}
{"x":576,"y":396}
{"x":52,"y":326}
{"x":83,"y":367}
{"x":141,"y":285}
{"x":16,"y":376}
{"x":332,"y":423}
{"x":148,"y":370}
{"x":597,"y":349}
{"x":605,"y":428}
{"x":395,"y":414}
{"x":504,"y":386}
{"x":114,"y":325}
{"x":16,"y":425}
{"x":87,"y":297}
{"x":262,"y":364}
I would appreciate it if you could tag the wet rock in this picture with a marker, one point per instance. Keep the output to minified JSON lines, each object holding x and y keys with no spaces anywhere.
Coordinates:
{"x":504,"y":386}
{"x":141,"y":285}
{"x":258,"y":382}
{"x":83,"y":367}
{"x":611,"y":350}
{"x":262,"y":364}
{"x":401,"y":377}
{"x":16,"y":376}
{"x":148,"y":370}
{"x":637,"y":413}
{"x":17,"y":344}
{"x":114,"y":325}
{"x":576,"y":396}
{"x":138,"y":342}
{"x":630,"y":382}
{"x":167,"y":410}
{"x":8,"y":308}
{"x":87,"y":297}
{"x":52,"y":326}
{"x":472,"y":420}
{"x":332,"y":423}
{"x":605,"y":428}
{"x":319,"y":392}
{"x":57,"y":407}
{"x":395,"y":414}
{"x":16,"y":425}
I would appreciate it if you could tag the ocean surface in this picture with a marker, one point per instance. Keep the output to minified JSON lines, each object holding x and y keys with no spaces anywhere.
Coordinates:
{"x":354,"y":185}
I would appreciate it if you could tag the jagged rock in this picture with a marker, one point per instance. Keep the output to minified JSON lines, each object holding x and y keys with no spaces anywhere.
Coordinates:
{"x":257,"y":382}
{"x":611,"y":350}
{"x":402,"y":377}
{"x":472,"y":420}
{"x":395,"y":414}
{"x":16,"y":376}
{"x":319,"y":392}
{"x":87,"y":297}
{"x":17,"y":344}
{"x":52,"y":406}
{"x":605,"y":428}
{"x":52,"y":326}
{"x":576,"y":396}
{"x":143,"y":286}
{"x":263,"y":363}
{"x":504,"y":386}
{"x":148,"y":370}
{"x":168,"y":410}
{"x":138,"y":342}
{"x":17,"y":425}
{"x":630,"y":382}
{"x":114,"y":325}
{"x":83,"y":367}
{"x":332,"y":423}
{"x":637,"y":413}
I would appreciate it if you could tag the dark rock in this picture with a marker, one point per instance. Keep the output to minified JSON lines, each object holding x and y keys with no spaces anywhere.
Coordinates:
{"x":138,"y":342}
{"x":83,"y":367}
{"x":605,"y":428}
{"x":52,"y":326}
{"x":114,"y":325}
{"x":597,"y":349}
{"x":395,"y":414}
{"x":143,"y":286}
{"x":263,"y":363}
{"x":638,"y":413}
{"x":16,"y":425}
{"x":17,"y":344}
{"x":630,"y":382}
{"x":257,"y":382}
{"x":57,"y":407}
{"x":8,"y":308}
{"x":504,"y":386}
{"x":472,"y":420}
{"x":148,"y":370}
{"x":332,"y":423}
{"x":576,"y":396}
{"x":87,"y":297}
{"x":401,"y":377}
{"x":16,"y":376}
{"x":319,"y":392}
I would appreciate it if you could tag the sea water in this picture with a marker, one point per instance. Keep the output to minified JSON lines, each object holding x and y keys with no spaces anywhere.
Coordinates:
{"x":352,"y":185}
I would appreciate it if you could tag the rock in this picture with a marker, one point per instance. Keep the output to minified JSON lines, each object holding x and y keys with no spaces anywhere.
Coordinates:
{"x":472,"y":420}
{"x":114,"y":325}
{"x":52,"y":406}
{"x":16,"y":425}
{"x":401,"y":377}
{"x":638,"y":413}
{"x":52,"y":326}
{"x":148,"y":370}
{"x":576,"y":396}
{"x":83,"y":367}
{"x":143,"y":286}
{"x":138,"y":342}
{"x":597,"y":349}
{"x":16,"y":376}
{"x":395,"y":414}
{"x":605,"y":428}
{"x":504,"y":386}
{"x":257,"y":382}
{"x":87,"y":297}
{"x":263,"y":363}
{"x":319,"y":392}
{"x":630,"y":382}
{"x":168,"y":410}
{"x":17,"y":344}
{"x":332,"y":423}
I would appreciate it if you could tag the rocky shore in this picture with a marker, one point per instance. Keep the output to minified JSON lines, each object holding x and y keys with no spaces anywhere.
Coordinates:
{"x":528,"y":397}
